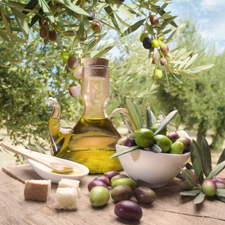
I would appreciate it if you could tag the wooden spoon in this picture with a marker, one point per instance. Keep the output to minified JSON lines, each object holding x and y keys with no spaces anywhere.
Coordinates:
{"x":58,"y":167}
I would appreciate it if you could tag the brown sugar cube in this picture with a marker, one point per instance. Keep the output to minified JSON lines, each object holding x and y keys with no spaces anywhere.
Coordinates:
{"x":37,"y":190}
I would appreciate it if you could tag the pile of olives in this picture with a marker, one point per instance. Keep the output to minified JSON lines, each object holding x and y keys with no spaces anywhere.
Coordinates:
{"x":156,"y":41}
{"x":169,"y":143}
{"x":122,"y":190}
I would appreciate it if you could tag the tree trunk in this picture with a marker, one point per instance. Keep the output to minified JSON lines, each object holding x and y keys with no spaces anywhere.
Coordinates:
{"x":201,"y":132}
{"x":217,"y":142}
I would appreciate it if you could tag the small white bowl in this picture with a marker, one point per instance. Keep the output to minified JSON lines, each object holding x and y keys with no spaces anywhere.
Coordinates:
{"x":151,"y":169}
{"x":47,"y":174}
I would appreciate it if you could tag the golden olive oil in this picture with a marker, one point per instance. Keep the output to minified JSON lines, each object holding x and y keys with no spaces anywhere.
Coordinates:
{"x":74,"y":173}
{"x":91,"y":143}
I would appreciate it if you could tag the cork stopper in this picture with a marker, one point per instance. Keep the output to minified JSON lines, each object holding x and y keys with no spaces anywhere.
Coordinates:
{"x":91,"y":68}
{"x":95,"y":61}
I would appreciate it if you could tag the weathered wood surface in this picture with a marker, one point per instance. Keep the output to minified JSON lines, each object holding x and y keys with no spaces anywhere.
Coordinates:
{"x":169,"y":207}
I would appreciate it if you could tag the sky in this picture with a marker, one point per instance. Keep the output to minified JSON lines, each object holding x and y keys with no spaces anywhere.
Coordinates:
{"x":209,"y":15}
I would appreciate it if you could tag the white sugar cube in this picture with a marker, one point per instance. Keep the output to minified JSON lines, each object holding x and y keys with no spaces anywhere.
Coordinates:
{"x":66,"y":198}
{"x":63,"y":183}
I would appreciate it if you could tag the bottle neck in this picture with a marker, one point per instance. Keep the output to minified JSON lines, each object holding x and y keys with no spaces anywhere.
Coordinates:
{"x":95,"y":91}
{"x":93,"y":110}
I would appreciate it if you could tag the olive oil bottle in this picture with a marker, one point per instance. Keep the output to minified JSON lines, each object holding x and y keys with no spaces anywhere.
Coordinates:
{"x":92,"y":140}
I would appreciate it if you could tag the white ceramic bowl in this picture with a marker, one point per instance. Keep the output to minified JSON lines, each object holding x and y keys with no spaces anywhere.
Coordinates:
{"x":45,"y":172}
{"x":151,"y":169}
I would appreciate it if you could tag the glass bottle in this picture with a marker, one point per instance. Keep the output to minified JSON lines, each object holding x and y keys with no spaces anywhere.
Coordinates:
{"x":92,"y":140}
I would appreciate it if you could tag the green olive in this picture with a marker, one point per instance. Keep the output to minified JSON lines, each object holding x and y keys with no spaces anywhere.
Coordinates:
{"x":125,"y":181}
{"x":99,"y":196}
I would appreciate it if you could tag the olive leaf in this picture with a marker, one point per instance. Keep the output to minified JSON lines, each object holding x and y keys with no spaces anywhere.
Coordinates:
{"x":93,"y":43}
{"x":190,"y":192}
{"x":129,"y":127}
{"x":19,"y":39}
{"x":177,"y":121}
{"x":149,"y":28}
{"x":199,"y":57}
{"x":75,"y":8}
{"x":126,"y":12}
{"x":200,"y":68}
{"x":216,"y":170}
{"x":124,"y":151}
{"x":154,"y":120}
{"x":200,"y":151}
{"x":188,"y":176}
{"x":109,"y":10}
{"x":155,"y":148}
{"x":148,"y":118}
{"x":139,"y":113}
{"x":25,"y":28}
{"x":9,"y":32}
{"x":31,"y":5}
{"x":196,"y":161}
{"x":70,"y":12}
{"x":206,"y":163}
{"x":180,"y":62}
{"x":122,"y":21}
{"x":161,"y":9}
{"x":133,"y":27}
{"x":102,"y":52}
{"x":185,"y":74}
{"x":81,"y":28}
{"x":113,"y":2}
{"x":4,"y":36}
{"x":171,"y":36}
{"x":165,"y":15}
{"x":192,"y":59}
{"x":184,"y":55}
{"x":222,"y":157}
{"x":220,"y":192}
{"x":200,"y":198}
{"x":69,"y":33}
{"x":18,"y":13}
{"x":45,"y":7}
{"x":166,"y":22}
{"x":35,"y":18}
{"x":133,"y":114}
{"x":167,"y":119}
{"x":166,"y":32}
{"x":17,"y":5}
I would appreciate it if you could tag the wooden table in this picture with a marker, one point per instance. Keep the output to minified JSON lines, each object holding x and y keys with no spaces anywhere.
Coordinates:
{"x":168,"y":208}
